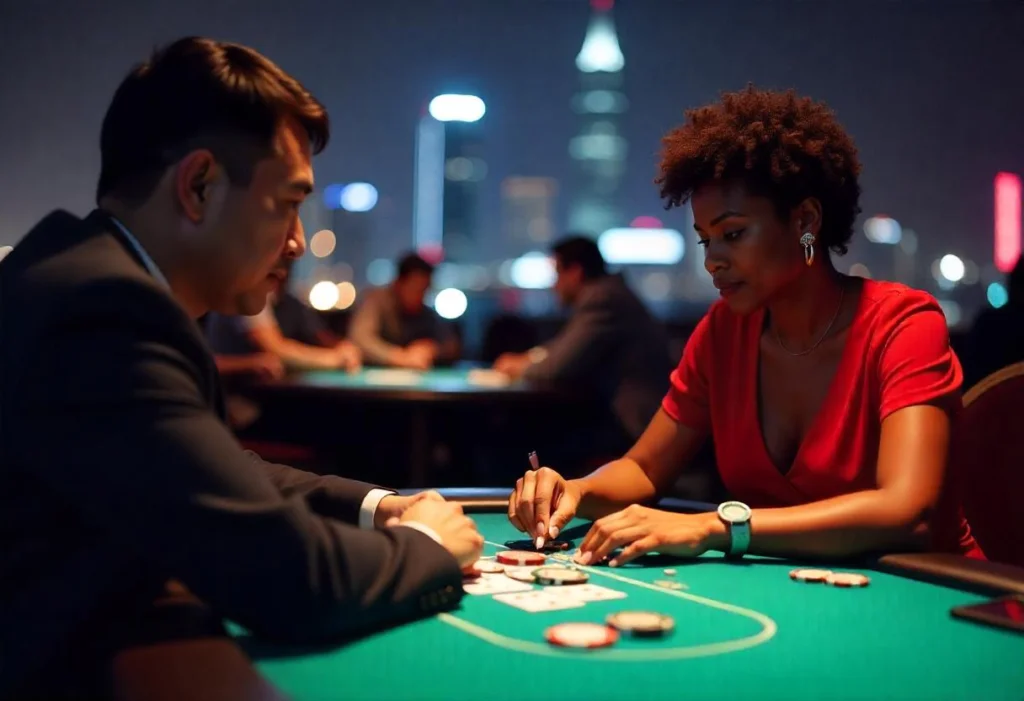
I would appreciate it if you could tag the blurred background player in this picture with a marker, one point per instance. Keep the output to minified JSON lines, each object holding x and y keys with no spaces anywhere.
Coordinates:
{"x":611,"y":346}
{"x":392,"y":326}
{"x":286,"y":329}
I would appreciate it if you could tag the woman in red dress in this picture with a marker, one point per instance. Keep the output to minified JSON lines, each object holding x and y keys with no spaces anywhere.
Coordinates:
{"x":830,"y":398}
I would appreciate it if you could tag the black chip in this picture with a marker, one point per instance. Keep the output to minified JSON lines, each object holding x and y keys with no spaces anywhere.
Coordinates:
{"x":550,"y":546}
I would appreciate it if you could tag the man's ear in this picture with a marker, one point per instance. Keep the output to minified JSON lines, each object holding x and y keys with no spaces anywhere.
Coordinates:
{"x":193,"y":177}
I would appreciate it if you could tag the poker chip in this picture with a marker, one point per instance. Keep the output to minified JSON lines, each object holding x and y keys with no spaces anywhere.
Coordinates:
{"x":557,"y":576}
{"x":669,"y":584}
{"x":521,"y":574}
{"x":582,"y":635}
{"x":642,"y":624}
{"x":810,"y":575}
{"x":847,"y":579}
{"x":549,"y":546}
{"x":520,"y":557}
{"x":488,"y":566}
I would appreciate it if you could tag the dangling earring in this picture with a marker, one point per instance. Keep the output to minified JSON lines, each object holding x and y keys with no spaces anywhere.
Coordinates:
{"x":808,"y":243}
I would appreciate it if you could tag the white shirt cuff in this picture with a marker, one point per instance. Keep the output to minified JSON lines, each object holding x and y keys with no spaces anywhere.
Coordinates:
{"x":369,"y":506}
{"x":423,"y":528}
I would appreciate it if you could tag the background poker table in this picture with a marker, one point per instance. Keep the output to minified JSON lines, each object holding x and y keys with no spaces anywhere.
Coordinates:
{"x":743,"y":630}
{"x":380,"y":418}
{"x":461,"y":383}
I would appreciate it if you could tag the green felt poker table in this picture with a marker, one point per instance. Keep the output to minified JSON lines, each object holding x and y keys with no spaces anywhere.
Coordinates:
{"x":743,"y":629}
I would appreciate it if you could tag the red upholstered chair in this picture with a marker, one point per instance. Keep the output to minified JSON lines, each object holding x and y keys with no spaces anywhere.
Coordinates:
{"x":987,"y":456}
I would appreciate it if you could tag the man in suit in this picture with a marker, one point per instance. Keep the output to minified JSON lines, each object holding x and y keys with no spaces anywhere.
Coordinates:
{"x":392,"y":326}
{"x":119,"y":483}
{"x":611,"y":345}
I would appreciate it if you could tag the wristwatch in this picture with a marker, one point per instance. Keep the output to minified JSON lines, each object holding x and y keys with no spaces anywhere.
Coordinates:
{"x":736,"y":516}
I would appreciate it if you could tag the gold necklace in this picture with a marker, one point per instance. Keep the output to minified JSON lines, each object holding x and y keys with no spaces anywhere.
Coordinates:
{"x":775,"y":331}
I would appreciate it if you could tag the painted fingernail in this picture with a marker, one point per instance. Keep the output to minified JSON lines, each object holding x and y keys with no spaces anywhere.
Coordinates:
{"x":539,"y":542}
{"x":585,"y":558}
{"x":553,"y":532}
{"x":613,"y":563}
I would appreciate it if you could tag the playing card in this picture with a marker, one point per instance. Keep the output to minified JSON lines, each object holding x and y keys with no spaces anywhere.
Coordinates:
{"x":391,"y":376}
{"x":585,"y":592}
{"x":494,"y":584}
{"x":535,"y":601}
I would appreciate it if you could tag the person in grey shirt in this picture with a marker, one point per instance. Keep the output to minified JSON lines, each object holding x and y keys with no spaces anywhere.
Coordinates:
{"x":392,"y":326}
{"x":611,"y":344}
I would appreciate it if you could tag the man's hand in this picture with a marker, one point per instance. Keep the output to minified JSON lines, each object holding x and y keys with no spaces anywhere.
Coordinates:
{"x":457,"y":532}
{"x":350,"y":358}
{"x":394,"y":506}
{"x":512,"y":364}
{"x":266,"y":366}
{"x":418,"y":355}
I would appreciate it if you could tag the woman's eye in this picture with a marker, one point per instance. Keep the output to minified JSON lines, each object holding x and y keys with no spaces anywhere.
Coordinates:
{"x":733,"y":235}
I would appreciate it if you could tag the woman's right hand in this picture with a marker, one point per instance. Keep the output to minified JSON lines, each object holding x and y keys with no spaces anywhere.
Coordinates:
{"x":542,"y":503}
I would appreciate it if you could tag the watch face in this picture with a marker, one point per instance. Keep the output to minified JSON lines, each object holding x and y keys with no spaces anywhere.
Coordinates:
{"x":734,"y":511}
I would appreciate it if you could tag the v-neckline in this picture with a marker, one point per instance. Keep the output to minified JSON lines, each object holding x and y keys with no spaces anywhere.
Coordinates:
{"x":754,"y":371}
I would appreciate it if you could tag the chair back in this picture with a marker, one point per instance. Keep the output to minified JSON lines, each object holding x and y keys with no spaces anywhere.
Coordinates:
{"x":987,"y":457}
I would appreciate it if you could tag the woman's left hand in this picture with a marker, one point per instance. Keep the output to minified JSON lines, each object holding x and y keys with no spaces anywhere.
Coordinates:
{"x":639,"y":530}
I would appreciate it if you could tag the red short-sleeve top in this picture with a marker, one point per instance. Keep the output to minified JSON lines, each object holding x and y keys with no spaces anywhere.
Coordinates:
{"x":897,"y":354}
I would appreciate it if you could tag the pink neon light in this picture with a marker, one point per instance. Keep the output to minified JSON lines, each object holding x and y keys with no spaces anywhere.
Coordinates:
{"x":602,"y":5}
{"x":1007,"y":211}
{"x":646,"y":222}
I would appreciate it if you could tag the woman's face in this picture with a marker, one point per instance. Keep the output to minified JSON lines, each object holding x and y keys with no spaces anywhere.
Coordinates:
{"x":752,"y":255}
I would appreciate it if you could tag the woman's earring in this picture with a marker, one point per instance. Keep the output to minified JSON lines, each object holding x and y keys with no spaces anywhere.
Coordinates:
{"x":808,"y":243}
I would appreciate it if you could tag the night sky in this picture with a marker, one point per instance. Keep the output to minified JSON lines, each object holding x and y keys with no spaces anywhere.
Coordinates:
{"x":931,"y":91}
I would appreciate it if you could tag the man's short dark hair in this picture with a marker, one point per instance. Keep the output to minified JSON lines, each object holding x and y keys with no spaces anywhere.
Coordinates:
{"x":412,"y":263}
{"x":199,"y":93}
{"x":581,"y":251}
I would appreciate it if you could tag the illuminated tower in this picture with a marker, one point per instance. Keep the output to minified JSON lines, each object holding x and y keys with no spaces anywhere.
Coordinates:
{"x":598,"y":151}
{"x":449,"y":172}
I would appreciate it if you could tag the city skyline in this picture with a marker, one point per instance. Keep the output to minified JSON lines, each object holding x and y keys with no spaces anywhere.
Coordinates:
{"x":922,"y":90}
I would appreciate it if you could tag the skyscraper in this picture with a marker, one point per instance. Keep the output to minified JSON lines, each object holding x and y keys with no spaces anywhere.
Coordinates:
{"x":598,"y":151}
{"x":449,"y":171}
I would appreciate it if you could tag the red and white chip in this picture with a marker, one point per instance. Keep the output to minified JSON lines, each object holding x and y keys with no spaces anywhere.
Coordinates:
{"x":520,"y":557}
{"x":521,"y":574}
{"x":847,"y":579}
{"x":488,"y":566}
{"x":583,"y":635}
{"x":809,"y":575}
{"x":641,"y":623}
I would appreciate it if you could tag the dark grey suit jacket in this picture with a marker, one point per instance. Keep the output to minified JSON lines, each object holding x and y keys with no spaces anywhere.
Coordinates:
{"x":613,"y":345}
{"x":117,"y":474}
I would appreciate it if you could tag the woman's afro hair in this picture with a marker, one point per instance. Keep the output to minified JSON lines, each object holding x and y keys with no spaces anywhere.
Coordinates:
{"x":778,"y":145}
